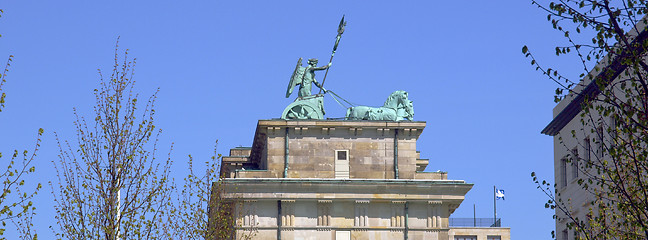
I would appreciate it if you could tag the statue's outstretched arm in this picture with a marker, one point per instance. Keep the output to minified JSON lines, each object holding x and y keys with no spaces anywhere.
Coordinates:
{"x":322,"y":67}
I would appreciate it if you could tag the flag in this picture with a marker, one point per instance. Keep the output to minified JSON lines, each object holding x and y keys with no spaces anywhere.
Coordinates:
{"x":499,"y":193}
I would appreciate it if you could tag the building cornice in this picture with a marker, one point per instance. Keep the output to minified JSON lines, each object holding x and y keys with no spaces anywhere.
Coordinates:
{"x":605,"y":76}
{"x":446,"y":191}
{"x":326,"y":125}
{"x":345,"y":181}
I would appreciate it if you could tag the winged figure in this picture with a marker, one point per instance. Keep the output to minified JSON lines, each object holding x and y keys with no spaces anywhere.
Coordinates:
{"x":304,"y":77}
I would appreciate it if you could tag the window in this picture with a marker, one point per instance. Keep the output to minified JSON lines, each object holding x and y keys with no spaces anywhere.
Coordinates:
{"x":613,"y":127}
{"x":342,"y":164}
{"x":563,"y":172}
{"x":565,"y":235}
{"x":599,"y":145}
{"x":587,"y":145}
{"x":342,"y":154}
{"x":465,"y":238}
{"x":494,"y":238}
{"x":574,"y":160}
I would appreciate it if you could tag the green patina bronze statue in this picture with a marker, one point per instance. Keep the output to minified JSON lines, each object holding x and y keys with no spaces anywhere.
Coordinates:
{"x":397,"y":107}
{"x":308,"y":106}
{"x":305,"y":78}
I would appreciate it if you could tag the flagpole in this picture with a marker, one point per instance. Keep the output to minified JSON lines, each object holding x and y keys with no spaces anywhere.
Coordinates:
{"x":474,"y":215}
{"x":494,"y":205}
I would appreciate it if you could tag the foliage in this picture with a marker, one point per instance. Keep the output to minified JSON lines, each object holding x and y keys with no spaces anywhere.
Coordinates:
{"x":193,"y":209}
{"x":615,"y":113}
{"x":202,"y":210}
{"x":15,"y":202}
{"x":110,"y":184}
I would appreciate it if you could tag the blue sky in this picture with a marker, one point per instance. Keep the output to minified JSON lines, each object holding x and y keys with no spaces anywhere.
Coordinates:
{"x":221,"y":66}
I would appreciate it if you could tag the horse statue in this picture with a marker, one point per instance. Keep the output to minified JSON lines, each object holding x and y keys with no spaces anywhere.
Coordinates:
{"x":397,"y":107}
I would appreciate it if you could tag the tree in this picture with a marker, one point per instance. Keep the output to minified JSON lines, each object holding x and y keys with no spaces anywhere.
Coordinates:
{"x":202,"y":210}
{"x":608,"y":38}
{"x":15,"y":201}
{"x":193,"y":202}
{"x":194,"y":205}
{"x":110,"y":184}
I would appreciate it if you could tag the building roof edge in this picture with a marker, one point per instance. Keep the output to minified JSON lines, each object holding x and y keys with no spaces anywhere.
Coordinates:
{"x":605,"y":76}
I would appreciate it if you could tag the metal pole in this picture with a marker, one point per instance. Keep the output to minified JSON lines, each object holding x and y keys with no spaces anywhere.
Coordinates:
{"x":474,"y":216}
{"x":406,"y":223}
{"x":494,"y":206}
{"x":279,"y":220}
{"x":325,"y":74}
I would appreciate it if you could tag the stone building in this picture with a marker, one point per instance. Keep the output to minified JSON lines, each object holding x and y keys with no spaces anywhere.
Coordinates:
{"x":577,"y":144}
{"x":333,"y":179}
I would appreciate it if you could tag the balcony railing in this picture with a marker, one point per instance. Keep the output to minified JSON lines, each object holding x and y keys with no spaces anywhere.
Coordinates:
{"x":475,"y":222}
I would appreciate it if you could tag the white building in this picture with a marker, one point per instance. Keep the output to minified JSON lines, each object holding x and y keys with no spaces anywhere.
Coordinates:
{"x":574,"y":140}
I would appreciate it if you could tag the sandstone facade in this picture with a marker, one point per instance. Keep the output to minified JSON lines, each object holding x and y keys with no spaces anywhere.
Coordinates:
{"x":327,"y":179}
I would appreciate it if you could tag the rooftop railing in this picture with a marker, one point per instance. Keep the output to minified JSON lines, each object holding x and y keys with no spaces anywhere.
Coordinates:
{"x":475,"y":222}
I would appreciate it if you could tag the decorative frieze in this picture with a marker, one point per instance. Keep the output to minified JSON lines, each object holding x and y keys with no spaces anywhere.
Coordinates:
{"x":398,"y":214}
{"x":248,"y":214}
{"x":328,"y":130}
{"x":324,"y":213}
{"x":273,"y":130}
{"x":434,"y":214}
{"x":355,"y":131}
{"x":288,"y":213}
{"x":300,"y":130}
{"x":361,"y":213}
{"x":383,"y":131}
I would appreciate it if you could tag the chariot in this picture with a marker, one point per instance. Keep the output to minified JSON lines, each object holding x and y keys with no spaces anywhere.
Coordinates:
{"x":309,"y":107}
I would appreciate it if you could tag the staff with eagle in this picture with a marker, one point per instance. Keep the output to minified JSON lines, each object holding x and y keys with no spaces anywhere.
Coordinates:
{"x":305,"y":76}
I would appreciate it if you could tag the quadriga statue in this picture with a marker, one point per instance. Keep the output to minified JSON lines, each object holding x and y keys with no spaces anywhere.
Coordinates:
{"x":397,"y":107}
